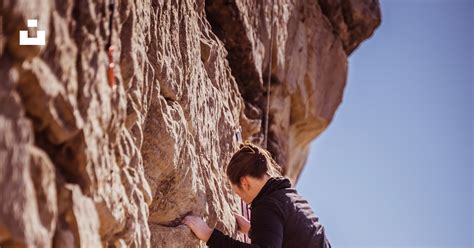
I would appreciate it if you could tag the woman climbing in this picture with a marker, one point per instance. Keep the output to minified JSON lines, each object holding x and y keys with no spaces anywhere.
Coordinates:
{"x":280,"y":216}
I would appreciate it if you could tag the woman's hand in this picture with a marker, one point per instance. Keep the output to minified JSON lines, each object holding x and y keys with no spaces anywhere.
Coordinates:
{"x":244,"y":224}
{"x":198,"y":226}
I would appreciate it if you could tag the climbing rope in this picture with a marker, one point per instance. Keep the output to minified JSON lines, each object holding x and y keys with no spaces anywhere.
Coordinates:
{"x":110,"y":48}
{"x":247,"y":216}
{"x":244,"y":207}
{"x":267,"y":111}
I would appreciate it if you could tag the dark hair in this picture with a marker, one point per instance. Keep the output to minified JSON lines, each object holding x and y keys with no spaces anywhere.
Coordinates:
{"x":251,"y":160}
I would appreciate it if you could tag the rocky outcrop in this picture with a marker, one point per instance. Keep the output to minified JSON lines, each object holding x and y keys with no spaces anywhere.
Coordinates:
{"x":310,"y":44}
{"x":85,"y":163}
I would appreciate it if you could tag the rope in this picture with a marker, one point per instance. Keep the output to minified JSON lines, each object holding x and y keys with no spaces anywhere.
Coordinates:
{"x":244,"y":207}
{"x":110,"y":48}
{"x":267,"y":111}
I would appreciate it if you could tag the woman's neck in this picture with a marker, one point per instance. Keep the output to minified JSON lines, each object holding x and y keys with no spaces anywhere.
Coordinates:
{"x":258,"y":184}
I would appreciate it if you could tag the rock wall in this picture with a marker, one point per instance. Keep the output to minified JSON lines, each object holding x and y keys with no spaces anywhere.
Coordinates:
{"x":84,"y":163}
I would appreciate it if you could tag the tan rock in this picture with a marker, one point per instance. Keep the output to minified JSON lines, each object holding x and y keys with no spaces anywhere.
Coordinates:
{"x":28,"y":209}
{"x":309,"y":64}
{"x":79,"y":222}
{"x":83,"y":164}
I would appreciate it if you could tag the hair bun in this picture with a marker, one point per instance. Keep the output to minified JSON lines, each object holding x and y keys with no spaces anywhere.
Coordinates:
{"x":250,"y":160}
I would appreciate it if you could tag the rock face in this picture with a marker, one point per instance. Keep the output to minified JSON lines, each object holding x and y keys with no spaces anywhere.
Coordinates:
{"x":87,"y":164}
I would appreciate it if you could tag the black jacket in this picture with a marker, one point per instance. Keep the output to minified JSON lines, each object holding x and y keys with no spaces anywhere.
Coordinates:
{"x":280,"y":218}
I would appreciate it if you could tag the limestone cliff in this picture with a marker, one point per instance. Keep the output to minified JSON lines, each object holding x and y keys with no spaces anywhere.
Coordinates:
{"x":88,"y":161}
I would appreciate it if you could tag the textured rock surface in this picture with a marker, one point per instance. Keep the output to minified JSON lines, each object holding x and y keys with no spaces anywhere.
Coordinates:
{"x":84,"y":164}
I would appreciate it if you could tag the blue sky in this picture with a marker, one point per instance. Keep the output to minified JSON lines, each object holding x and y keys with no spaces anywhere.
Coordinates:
{"x":394,"y":168}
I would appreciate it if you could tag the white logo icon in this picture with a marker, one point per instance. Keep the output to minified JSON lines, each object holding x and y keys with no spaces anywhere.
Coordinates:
{"x":39,"y":40}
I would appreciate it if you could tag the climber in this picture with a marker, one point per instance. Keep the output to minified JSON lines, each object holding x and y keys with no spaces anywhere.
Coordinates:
{"x":280,"y":216}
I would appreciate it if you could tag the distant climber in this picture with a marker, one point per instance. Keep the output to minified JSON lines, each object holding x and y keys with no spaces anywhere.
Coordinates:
{"x":280,"y":216}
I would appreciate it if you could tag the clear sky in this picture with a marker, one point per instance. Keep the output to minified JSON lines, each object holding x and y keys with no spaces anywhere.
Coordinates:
{"x":395,"y":167}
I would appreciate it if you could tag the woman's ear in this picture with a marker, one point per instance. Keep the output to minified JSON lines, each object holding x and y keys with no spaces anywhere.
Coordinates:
{"x":245,"y":183}
{"x":242,"y":182}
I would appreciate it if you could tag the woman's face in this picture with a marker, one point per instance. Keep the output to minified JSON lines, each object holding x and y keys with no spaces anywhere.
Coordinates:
{"x":241,"y":193}
{"x":246,"y":191}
